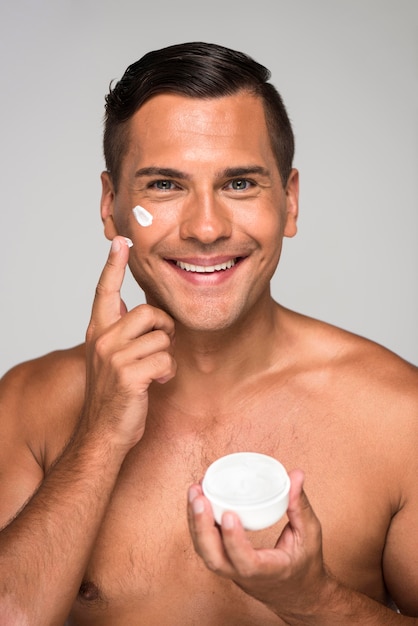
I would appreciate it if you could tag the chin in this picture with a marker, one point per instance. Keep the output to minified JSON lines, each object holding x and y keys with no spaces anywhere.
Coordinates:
{"x":204,"y":315}
{"x":201,"y":327}
{"x":208,"y":319}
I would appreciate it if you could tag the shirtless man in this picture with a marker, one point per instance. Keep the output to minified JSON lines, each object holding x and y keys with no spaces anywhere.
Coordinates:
{"x":101,"y":442}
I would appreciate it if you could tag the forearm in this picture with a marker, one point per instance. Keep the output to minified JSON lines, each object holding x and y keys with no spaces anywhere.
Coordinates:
{"x":45,"y":549}
{"x":345,"y":607}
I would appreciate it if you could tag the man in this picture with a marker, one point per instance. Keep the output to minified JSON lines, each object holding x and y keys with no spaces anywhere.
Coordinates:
{"x":101,"y":442}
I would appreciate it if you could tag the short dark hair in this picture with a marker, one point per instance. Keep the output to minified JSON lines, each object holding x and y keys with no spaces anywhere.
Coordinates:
{"x":197,"y":70}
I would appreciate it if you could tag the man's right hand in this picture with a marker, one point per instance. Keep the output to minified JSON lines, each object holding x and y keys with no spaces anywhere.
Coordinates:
{"x":126,"y":351}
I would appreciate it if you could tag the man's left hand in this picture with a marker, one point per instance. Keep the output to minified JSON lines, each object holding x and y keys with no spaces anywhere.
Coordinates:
{"x":291,"y":578}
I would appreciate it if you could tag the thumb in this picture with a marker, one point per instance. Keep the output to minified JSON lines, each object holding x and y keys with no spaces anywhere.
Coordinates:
{"x":300,"y":512}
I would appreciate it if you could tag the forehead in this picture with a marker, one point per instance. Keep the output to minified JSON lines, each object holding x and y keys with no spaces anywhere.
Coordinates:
{"x":176,"y":126}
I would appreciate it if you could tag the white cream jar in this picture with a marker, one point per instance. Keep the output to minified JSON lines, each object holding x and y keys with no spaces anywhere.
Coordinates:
{"x":255,"y":486}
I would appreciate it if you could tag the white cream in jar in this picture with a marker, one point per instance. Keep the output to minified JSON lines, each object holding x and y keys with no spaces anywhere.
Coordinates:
{"x":255,"y":486}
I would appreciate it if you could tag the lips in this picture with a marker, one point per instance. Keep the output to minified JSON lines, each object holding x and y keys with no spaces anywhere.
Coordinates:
{"x":206,"y":269}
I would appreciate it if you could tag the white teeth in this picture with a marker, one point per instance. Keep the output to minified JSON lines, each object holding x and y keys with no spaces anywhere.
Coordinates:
{"x":203,"y":269}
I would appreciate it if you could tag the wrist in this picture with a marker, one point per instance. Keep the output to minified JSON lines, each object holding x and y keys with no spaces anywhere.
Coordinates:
{"x":97,"y":447}
{"x":105,"y":435}
{"x":318,"y":608}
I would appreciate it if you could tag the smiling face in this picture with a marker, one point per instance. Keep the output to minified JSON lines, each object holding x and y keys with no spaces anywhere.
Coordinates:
{"x":206,"y":172}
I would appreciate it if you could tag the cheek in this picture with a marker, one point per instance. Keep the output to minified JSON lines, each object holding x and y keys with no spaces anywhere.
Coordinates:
{"x":270,"y":239}
{"x":121,"y":219}
{"x":266,"y":227}
{"x":127,"y":225}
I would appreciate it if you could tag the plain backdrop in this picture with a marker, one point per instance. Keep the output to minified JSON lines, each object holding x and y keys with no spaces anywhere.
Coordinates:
{"x":347,"y":70}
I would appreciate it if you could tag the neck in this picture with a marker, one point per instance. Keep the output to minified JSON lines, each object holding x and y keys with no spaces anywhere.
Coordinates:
{"x":218,"y":371}
{"x":213,"y":366}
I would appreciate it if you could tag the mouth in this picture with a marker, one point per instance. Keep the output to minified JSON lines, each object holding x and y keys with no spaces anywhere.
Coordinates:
{"x":207,"y":269}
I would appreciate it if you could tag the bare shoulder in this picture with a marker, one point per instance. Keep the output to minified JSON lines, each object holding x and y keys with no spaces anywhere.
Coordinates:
{"x":355,"y":361}
{"x":360,"y":382}
{"x":41,"y":399}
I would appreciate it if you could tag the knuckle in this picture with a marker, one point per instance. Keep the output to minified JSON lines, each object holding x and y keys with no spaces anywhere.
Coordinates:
{"x":115,"y":361}
{"x":154,"y":318}
{"x":101,"y":346}
{"x":168,"y":361}
{"x":101,"y":289}
{"x":125,"y":378}
{"x":147,"y":313}
{"x":156,"y":340}
{"x":162,"y":339}
{"x":162,"y":361}
{"x":246,"y":572}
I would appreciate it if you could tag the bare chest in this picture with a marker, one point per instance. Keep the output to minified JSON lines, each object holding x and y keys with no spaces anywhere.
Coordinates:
{"x":143,"y":566}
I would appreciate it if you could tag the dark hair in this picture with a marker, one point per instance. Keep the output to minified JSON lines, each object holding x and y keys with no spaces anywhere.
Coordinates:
{"x":197,"y":70}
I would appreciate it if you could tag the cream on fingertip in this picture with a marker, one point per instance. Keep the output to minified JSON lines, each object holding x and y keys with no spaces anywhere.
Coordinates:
{"x":129,"y":242}
{"x":142,"y":216}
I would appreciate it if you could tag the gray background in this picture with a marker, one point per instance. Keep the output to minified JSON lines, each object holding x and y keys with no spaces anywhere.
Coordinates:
{"x":347,"y":70}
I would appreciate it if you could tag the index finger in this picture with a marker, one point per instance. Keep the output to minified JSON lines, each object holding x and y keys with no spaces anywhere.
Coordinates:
{"x":107,"y":301}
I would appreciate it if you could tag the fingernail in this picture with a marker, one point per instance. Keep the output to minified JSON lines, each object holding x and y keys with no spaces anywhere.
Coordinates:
{"x":228,"y":521}
{"x":198,"y":506}
{"x":115,"y":245}
{"x":193,"y":493}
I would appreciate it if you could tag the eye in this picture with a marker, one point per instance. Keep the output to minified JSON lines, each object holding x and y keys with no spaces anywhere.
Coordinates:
{"x":240,"y":184}
{"x":163,"y":185}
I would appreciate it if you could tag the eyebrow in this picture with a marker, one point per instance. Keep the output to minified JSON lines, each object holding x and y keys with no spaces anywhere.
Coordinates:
{"x":246,"y":170}
{"x":165,"y":172}
{"x":228,"y":172}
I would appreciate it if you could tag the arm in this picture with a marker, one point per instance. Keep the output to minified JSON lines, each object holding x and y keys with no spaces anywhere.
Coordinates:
{"x":45,"y":548}
{"x":291,"y":579}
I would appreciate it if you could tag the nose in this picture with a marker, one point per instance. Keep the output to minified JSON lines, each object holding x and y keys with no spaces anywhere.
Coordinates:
{"x":205,"y":218}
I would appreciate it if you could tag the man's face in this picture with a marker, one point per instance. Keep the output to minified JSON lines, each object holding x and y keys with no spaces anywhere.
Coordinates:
{"x":206,"y":172}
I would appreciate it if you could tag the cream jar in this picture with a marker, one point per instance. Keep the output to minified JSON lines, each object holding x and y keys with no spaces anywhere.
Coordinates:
{"x":255,"y":486}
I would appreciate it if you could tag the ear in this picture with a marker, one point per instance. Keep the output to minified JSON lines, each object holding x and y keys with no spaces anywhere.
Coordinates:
{"x":292,"y":204}
{"x":107,"y":204}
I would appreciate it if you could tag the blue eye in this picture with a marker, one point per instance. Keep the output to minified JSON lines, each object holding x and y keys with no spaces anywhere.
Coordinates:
{"x":240,"y":184}
{"x":164,"y":185}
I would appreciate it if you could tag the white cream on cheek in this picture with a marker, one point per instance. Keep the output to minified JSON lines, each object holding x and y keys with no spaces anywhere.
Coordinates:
{"x":142,"y":216}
